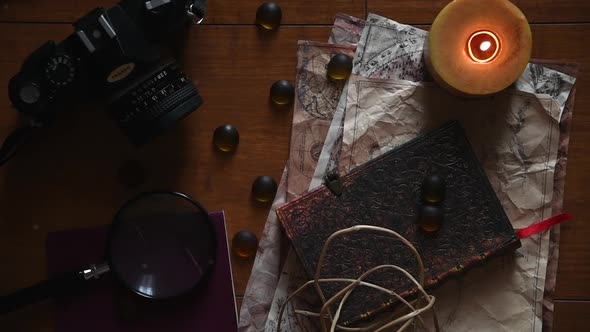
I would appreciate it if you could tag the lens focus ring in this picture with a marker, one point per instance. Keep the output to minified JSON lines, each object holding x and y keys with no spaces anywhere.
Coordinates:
{"x":155,"y":103}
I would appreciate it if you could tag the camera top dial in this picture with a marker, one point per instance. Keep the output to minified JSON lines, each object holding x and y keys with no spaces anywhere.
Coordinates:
{"x":60,"y":70}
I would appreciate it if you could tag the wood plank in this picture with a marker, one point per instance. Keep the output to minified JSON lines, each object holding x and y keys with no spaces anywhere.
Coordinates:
{"x":219,"y":11}
{"x":536,"y":11}
{"x":68,"y":178}
{"x":239,"y":300}
{"x":571,"y":316}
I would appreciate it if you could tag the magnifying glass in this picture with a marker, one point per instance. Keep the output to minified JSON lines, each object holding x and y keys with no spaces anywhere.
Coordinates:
{"x":161,"y":245}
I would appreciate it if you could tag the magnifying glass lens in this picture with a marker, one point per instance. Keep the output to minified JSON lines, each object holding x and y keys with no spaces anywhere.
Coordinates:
{"x":161,"y":245}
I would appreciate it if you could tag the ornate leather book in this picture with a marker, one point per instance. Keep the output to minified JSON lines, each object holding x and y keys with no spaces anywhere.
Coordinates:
{"x":386,"y":192}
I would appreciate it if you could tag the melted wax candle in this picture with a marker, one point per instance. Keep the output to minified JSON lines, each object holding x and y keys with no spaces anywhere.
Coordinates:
{"x":478,"y":48}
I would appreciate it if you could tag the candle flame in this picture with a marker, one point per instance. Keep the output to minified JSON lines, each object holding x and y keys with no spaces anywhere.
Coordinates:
{"x":483,"y":46}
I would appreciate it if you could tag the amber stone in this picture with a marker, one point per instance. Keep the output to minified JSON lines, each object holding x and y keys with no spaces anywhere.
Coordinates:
{"x":264,"y":188}
{"x":282,"y":92}
{"x":268,"y":15}
{"x":244,"y":244}
{"x":433,"y":189}
{"x":430,"y":217}
{"x":226,"y":138}
{"x":339,"y":67}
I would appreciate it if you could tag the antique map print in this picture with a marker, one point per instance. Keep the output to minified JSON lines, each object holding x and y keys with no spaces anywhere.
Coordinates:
{"x":386,"y":49}
{"x":346,"y":30}
{"x":316,"y":97}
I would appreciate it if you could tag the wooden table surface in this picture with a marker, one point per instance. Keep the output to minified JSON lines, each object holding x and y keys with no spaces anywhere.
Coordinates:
{"x":69,"y":178}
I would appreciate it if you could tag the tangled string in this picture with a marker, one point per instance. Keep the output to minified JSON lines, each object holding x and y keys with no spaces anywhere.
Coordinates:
{"x":423,"y":303}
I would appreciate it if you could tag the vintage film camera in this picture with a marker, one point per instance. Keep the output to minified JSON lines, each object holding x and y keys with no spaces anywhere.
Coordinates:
{"x":114,"y":56}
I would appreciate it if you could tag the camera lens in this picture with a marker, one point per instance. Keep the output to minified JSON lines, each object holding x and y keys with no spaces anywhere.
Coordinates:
{"x":154,"y":103}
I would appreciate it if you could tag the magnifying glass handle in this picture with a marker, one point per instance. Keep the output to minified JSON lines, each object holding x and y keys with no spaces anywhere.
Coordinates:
{"x":67,"y":283}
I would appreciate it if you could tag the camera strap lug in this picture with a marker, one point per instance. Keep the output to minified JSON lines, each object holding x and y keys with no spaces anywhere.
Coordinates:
{"x":107,"y":26}
{"x":196,"y":10}
{"x":91,"y":29}
{"x":19,"y":137}
{"x":153,"y":4}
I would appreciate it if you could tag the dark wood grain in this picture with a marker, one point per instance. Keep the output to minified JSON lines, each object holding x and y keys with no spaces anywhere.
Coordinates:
{"x":67,"y":178}
{"x":218,"y":11}
{"x":571,"y":316}
{"x":536,"y":11}
{"x":298,"y":11}
{"x":239,"y":300}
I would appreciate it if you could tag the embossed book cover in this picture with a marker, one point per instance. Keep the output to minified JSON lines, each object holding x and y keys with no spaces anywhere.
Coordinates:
{"x":386,"y":192}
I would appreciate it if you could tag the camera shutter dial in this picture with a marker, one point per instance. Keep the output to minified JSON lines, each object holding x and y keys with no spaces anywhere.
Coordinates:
{"x":60,"y":71}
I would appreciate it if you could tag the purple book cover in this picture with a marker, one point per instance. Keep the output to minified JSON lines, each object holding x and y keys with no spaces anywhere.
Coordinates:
{"x":107,"y":307}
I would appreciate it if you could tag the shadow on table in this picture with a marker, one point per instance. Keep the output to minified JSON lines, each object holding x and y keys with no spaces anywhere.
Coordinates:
{"x":81,"y":170}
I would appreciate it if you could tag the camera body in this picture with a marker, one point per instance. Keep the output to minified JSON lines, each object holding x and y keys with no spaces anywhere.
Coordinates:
{"x":114,"y":56}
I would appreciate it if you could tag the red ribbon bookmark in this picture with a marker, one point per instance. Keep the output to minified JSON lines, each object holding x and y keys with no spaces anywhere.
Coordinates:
{"x":543,"y":225}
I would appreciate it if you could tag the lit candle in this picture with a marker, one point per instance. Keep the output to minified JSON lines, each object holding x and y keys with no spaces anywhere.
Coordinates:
{"x":483,"y":46}
{"x":478,"y":47}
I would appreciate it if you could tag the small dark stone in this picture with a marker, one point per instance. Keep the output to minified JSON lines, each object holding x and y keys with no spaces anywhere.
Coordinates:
{"x":244,"y":244}
{"x":226,"y":138}
{"x":433,"y":189}
{"x":430,"y":218}
{"x":282,"y":92}
{"x":340,"y":67}
{"x":264,"y":188}
{"x":268,"y":15}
